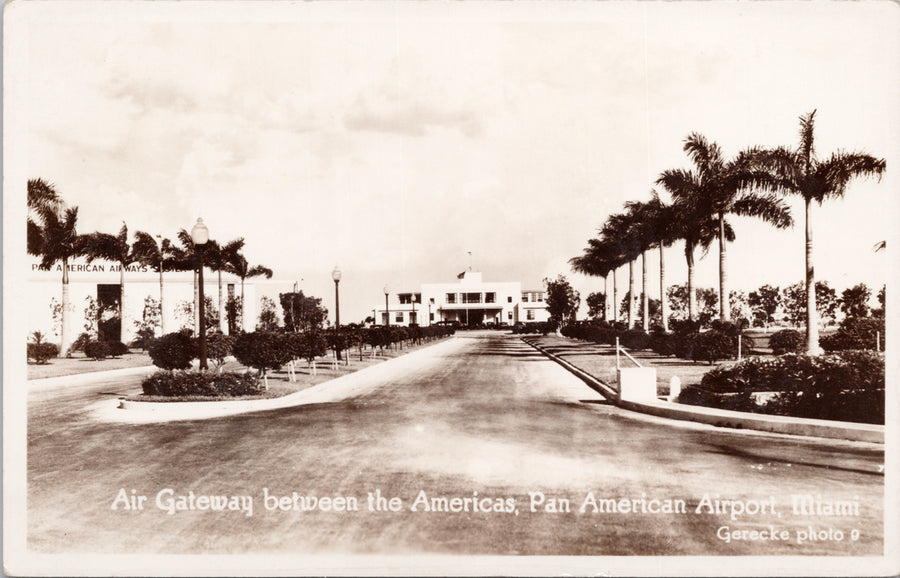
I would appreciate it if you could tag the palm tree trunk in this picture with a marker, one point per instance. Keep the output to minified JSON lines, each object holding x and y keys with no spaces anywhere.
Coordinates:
{"x":724,"y":301}
{"x":631,"y":299}
{"x":812,"y":314}
{"x":162,"y":303}
{"x":663,"y":305}
{"x":615,"y":303}
{"x":606,"y":298}
{"x":692,"y":291}
{"x":645,"y":306}
{"x":64,"y":320}
{"x":222,"y":326}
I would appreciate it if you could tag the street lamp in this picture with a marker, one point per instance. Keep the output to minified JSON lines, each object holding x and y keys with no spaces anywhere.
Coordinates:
{"x":387,"y":312}
{"x":200,"y":236}
{"x":162,"y":303}
{"x":336,"y":275}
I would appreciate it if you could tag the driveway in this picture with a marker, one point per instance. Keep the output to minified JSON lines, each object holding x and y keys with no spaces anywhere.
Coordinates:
{"x":479,"y":447}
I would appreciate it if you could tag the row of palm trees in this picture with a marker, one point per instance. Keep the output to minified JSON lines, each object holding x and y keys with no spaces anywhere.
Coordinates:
{"x":53,"y":236}
{"x":751,"y":184}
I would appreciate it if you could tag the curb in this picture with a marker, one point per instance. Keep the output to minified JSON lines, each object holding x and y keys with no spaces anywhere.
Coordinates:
{"x":731,"y":419}
{"x":344,"y":386}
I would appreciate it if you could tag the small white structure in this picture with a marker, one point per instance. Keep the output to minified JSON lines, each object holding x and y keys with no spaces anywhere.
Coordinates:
{"x":637,"y":384}
{"x":469,"y":301}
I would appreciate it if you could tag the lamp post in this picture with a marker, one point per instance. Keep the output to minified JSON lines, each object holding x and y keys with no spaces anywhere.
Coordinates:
{"x":200,"y":236}
{"x":162,"y":303}
{"x":336,"y":275}
{"x":387,"y":312}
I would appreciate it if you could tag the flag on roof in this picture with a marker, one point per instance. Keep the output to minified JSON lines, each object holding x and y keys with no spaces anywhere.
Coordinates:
{"x":461,"y":275}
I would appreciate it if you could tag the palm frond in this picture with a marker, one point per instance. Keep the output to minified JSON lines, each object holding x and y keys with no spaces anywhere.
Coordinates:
{"x":769,"y":208}
{"x":838,"y":170}
{"x":807,"y":149}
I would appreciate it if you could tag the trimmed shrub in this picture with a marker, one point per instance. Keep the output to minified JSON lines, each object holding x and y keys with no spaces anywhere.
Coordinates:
{"x":117,"y":348}
{"x":662,"y":343}
{"x":855,"y":333}
{"x":712,"y":345}
{"x":787,"y":341}
{"x":42,"y":352}
{"x":262,"y":350}
{"x":229,"y":384}
{"x":97,"y":350}
{"x":218,"y":347}
{"x":635,"y":339}
{"x":173,"y":351}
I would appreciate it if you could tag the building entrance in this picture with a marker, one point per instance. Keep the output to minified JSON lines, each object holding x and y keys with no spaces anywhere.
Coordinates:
{"x":109,"y":325}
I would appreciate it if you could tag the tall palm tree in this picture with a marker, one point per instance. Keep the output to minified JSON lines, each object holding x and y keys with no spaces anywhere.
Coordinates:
{"x":113,"y":248}
{"x":802,"y":173}
{"x":718,"y":188}
{"x":159,"y":256}
{"x":217,"y":257}
{"x":658,"y":230}
{"x":596,"y":260}
{"x":186,"y":257}
{"x":53,"y":236}
{"x":239,"y":266}
{"x":624,"y":231}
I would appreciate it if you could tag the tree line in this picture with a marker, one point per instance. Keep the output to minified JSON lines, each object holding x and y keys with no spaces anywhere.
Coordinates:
{"x":751,"y":184}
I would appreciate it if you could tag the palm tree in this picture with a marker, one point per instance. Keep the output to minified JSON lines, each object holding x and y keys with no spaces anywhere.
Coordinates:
{"x":113,"y":248}
{"x":160,"y":257}
{"x":625,"y":231}
{"x":597,"y":261}
{"x":719,"y":188}
{"x":52,"y":235}
{"x":217,"y":257}
{"x":658,"y":229}
{"x":802,"y":173}
{"x":185,"y":259}
{"x":238,"y":265}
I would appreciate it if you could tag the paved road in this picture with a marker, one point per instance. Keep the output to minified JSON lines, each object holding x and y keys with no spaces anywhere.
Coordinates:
{"x":483,"y":413}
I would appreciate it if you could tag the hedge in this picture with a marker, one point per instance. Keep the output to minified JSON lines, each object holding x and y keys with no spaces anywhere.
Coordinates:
{"x":229,"y":384}
{"x":846,"y":386}
{"x":855,"y":333}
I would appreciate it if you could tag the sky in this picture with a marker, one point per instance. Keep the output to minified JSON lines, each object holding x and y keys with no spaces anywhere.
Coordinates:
{"x":392,"y":139}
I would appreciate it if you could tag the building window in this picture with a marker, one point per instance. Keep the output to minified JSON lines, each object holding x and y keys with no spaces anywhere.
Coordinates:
{"x":524,"y":297}
{"x":405,"y":298}
{"x":509,"y":299}
{"x":384,"y":318}
{"x":431,"y":316}
{"x":399,"y":317}
{"x":490,"y":297}
{"x":413,"y":317}
{"x":451,"y":297}
{"x":509,"y":314}
{"x":540,"y":297}
{"x":530,"y":315}
{"x":431,"y":300}
{"x":471,"y":297}
{"x":418,"y":297}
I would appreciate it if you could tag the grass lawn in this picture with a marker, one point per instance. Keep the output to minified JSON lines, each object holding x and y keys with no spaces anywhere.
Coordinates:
{"x":600,"y":361}
{"x":78,"y":363}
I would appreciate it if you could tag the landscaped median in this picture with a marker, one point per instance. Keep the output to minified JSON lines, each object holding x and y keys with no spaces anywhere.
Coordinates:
{"x":353,"y":380}
{"x":596,"y":365}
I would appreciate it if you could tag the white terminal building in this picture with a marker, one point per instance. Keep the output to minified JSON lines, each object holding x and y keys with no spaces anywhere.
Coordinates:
{"x":469,"y":301}
{"x":98,"y":283}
